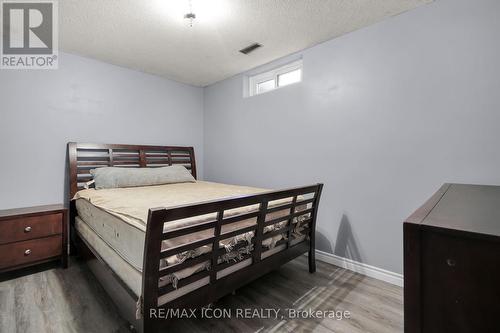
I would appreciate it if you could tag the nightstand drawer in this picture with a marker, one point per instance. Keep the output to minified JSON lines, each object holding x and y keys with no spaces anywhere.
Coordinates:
{"x":25,"y":228}
{"x":20,"y":253}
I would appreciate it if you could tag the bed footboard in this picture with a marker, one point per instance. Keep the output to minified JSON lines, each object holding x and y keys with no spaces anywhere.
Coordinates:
{"x":256,"y":255}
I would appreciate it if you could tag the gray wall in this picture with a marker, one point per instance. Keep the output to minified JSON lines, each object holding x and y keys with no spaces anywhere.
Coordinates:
{"x":383,"y":117}
{"x":89,"y":101}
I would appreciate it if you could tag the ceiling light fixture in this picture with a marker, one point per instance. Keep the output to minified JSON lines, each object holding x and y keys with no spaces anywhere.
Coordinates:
{"x":196,"y":13}
{"x":190,"y":16}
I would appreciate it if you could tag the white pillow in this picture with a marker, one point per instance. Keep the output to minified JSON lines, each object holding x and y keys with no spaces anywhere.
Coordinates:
{"x":115,"y":177}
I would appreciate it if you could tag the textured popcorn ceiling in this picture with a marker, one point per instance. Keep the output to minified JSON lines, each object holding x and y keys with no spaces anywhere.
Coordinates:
{"x":152,"y":36}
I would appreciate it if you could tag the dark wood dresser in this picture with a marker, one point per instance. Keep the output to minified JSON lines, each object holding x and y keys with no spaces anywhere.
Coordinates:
{"x":452,"y":262}
{"x":34,"y":235}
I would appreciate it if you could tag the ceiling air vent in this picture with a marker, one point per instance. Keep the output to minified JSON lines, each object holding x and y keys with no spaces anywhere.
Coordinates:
{"x":250,"y":48}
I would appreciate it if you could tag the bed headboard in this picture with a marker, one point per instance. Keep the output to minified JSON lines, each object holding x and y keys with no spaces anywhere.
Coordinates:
{"x":86,"y":156}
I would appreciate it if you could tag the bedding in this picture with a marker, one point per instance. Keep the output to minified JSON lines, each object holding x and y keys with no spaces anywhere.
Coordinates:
{"x":116,"y":177}
{"x":119,"y":216}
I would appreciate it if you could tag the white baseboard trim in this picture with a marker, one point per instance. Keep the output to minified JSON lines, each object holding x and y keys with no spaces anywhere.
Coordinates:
{"x":358,"y":267}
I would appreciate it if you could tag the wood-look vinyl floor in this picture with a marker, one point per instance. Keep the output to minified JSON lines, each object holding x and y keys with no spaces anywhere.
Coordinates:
{"x":72,"y":300}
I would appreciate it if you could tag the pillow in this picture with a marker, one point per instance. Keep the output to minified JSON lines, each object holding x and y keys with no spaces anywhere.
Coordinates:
{"x":115,"y":177}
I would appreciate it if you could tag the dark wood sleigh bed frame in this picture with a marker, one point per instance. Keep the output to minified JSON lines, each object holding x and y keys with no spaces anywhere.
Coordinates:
{"x":83,"y":157}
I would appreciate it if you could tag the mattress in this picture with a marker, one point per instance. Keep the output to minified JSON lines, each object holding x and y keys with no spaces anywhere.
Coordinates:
{"x":131,"y":204}
{"x":129,"y":275}
{"x":133,"y":277}
{"x":119,"y":217}
{"x":126,"y":240}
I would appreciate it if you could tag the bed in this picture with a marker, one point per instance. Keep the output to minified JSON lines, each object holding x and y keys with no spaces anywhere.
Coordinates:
{"x":205,"y":241}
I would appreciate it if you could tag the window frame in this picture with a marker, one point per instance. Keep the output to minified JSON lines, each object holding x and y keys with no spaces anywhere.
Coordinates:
{"x":273,"y":74}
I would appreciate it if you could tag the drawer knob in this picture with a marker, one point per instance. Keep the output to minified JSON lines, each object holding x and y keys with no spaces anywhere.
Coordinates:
{"x":27,"y":252}
{"x":451,"y":262}
{"x":27,"y":229}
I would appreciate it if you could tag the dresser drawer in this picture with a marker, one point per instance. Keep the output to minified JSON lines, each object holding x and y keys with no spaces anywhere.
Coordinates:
{"x":20,"y":253}
{"x":20,"y":229}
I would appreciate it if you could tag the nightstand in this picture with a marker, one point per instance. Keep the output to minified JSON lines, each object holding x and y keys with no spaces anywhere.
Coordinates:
{"x":33,"y":235}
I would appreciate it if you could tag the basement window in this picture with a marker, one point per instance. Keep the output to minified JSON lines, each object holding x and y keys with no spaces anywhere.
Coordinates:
{"x":275,"y":78}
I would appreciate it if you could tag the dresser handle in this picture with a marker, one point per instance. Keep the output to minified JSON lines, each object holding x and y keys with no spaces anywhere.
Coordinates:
{"x":451,"y":262}
{"x":27,"y":252}
{"x":27,"y":229}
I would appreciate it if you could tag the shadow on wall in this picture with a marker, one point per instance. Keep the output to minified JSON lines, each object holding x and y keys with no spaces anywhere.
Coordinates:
{"x":323,"y":243}
{"x":345,"y":246}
